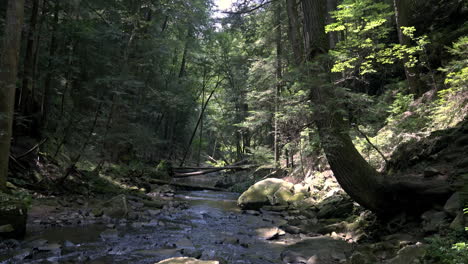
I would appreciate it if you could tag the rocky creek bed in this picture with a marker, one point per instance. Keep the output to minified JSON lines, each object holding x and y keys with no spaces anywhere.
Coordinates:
{"x":201,"y":224}
{"x":209,"y":225}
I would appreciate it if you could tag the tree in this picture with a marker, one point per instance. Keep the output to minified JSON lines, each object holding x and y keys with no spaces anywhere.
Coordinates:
{"x":362,"y":182}
{"x":8,"y":75}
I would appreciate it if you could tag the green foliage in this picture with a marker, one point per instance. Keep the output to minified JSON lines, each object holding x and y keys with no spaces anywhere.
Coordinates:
{"x":364,"y":24}
{"x":452,"y":249}
{"x":400,"y":105}
{"x":261,"y":155}
{"x":450,"y":107}
{"x":15,"y":199}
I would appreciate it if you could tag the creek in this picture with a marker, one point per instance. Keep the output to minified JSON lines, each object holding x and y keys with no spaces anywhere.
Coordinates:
{"x":211,"y":227}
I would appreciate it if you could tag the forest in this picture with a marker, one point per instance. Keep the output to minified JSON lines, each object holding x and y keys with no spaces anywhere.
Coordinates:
{"x":234,"y":131}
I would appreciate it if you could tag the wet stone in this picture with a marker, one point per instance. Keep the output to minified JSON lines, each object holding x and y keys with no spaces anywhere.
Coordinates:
{"x":50,"y":247}
{"x":110,"y":234}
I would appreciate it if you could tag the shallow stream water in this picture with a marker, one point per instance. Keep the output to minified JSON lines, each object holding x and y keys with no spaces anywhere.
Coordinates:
{"x":212,"y":227}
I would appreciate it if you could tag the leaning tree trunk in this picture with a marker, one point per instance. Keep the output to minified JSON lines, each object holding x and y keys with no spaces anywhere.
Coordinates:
{"x":8,"y":74}
{"x":351,"y":170}
{"x":362,"y":182}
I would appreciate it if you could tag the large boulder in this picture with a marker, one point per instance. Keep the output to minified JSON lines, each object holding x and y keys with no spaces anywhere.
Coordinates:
{"x":185,"y":260}
{"x":263,"y":193}
{"x":13,"y":216}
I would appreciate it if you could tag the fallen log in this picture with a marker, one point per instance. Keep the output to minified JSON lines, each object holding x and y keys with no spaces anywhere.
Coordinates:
{"x":196,"y":173}
{"x":240,"y":167}
{"x":181,"y":171}
{"x":186,"y":186}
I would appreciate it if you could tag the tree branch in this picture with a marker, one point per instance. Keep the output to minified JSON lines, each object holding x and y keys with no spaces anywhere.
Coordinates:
{"x":248,"y":10}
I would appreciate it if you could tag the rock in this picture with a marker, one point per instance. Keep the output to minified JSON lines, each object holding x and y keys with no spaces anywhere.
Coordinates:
{"x":362,"y":258}
{"x":193,"y":253}
{"x":322,"y":247}
{"x":251,"y":212}
{"x":453,"y":204}
{"x":185,"y":260}
{"x":409,"y":254}
{"x":261,"y":193}
{"x":288,"y":257}
{"x":282,"y":196}
{"x":50,"y":247}
{"x":136,"y":225}
{"x":301,"y":188}
{"x":433,"y":220}
{"x":400,"y":238}
{"x":110,"y":234}
{"x":22,"y":254}
{"x":335,"y":207}
{"x":35,"y":244}
{"x":152,"y":223}
{"x":230,"y":240}
{"x":458,"y":223}
{"x":184,"y":243}
{"x":13,"y":216}
{"x":167,"y":252}
{"x":430,"y":172}
{"x":275,"y":208}
{"x":270,"y":233}
{"x":153,"y":212}
{"x":292,"y":229}
{"x":69,"y":244}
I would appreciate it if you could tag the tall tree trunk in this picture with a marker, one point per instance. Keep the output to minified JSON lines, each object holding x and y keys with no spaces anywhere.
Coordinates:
{"x":26,"y":100}
{"x":294,"y":31}
{"x":402,"y":15}
{"x":183,"y":64}
{"x":279,"y":77}
{"x":46,"y":97}
{"x":8,"y":75}
{"x":332,"y":36}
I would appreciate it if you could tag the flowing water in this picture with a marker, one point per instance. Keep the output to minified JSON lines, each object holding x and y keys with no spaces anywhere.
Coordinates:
{"x":212,"y":227}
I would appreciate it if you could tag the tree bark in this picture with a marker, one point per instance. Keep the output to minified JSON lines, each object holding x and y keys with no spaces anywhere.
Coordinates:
{"x":279,"y":77}
{"x":46,"y":98}
{"x":332,"y":36}
{"x":26,"y":92}
{"x":402,"y":16}
{"x":8,"y":76}
{"x":294,"y":31}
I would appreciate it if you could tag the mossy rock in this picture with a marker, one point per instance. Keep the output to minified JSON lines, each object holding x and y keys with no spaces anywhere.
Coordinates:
{"x":262,"y":193}
{"x":13,"y":216}
{"x":283,"y":196}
